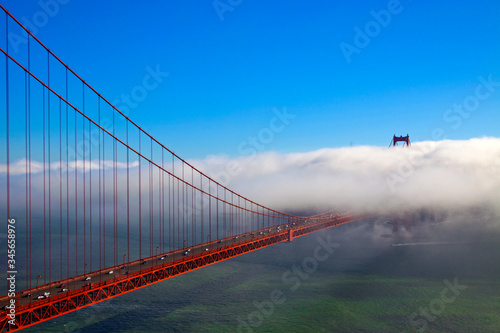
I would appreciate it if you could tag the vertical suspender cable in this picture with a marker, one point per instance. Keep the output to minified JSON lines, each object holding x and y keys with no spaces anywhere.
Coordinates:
{"x":183,"y":207}
{"x":115,"y":195}
{"x":171,"y":241}
{"x":209,"y":212}
{"x":128,"y":194}
{"x":76,"y":196}
{"x":224,"y":222}
{"x":90,"y":198}
{"x":217,"y":212}
{"x":193,"y":211}
{"x":44,"y":192}
{"x":49,"y":168}
{"x":202,"y":217}
{"x":163,"y":201}
{"x":29,"y":161}
{"x":179,"y":214}
{"x":231,"y":215}
{"x":26,"y":78}
{"x":67,"y":179}
{"x":84,"y":153}
{"x":60,"y":192}
{"x":103,"y":199}
{"x":150,"y":203}
{"x":171,"y":226}
{"x":160,"y":206}
{"x":140,"y":201}
{"x":101,"y":169}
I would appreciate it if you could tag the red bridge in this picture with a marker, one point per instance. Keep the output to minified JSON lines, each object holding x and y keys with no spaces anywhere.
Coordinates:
{"x":96,"y":207}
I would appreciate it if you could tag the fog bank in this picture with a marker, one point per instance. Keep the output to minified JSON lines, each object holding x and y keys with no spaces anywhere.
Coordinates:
{"x":444,"y":175}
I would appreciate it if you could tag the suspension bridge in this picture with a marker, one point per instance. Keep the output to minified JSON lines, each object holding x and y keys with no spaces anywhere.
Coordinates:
{"x":94,"y":206}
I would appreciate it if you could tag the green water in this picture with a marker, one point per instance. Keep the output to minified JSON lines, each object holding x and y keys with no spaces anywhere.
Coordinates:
{"x":364,"y":285}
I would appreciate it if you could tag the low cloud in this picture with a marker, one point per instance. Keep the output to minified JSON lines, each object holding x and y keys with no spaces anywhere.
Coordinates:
{"x":446,"y":175}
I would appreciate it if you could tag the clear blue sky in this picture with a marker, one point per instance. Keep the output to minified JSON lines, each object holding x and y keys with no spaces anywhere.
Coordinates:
{"x":226,"y":75}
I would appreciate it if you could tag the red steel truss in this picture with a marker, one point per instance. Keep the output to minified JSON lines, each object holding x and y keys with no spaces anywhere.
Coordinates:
{"x":43,"y":310}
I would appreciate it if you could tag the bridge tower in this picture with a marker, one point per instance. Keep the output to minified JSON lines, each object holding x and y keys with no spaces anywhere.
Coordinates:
{"x":406,"y":218}
{"x":396,"y":139}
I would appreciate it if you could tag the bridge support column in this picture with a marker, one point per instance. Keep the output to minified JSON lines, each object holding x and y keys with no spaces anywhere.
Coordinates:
{"x":290,"y":235}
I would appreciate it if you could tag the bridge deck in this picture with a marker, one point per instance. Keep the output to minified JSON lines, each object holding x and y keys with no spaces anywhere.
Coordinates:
{"x":101,"y":286}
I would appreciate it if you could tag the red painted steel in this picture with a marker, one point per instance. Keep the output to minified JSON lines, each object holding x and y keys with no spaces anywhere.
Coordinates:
{"x":55,"y":306}
{"x":396,"y":139}
{"x":238,"y":224}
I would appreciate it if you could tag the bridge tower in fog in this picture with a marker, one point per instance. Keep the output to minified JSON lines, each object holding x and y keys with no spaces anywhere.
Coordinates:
{"x":405,"y":219}
{"x":403,"y":139}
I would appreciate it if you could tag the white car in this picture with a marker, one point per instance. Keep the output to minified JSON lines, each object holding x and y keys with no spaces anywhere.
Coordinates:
{"x":110,"y":272}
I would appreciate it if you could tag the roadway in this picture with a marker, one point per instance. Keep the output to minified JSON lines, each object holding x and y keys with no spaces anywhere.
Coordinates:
{"x":68,"y":286}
